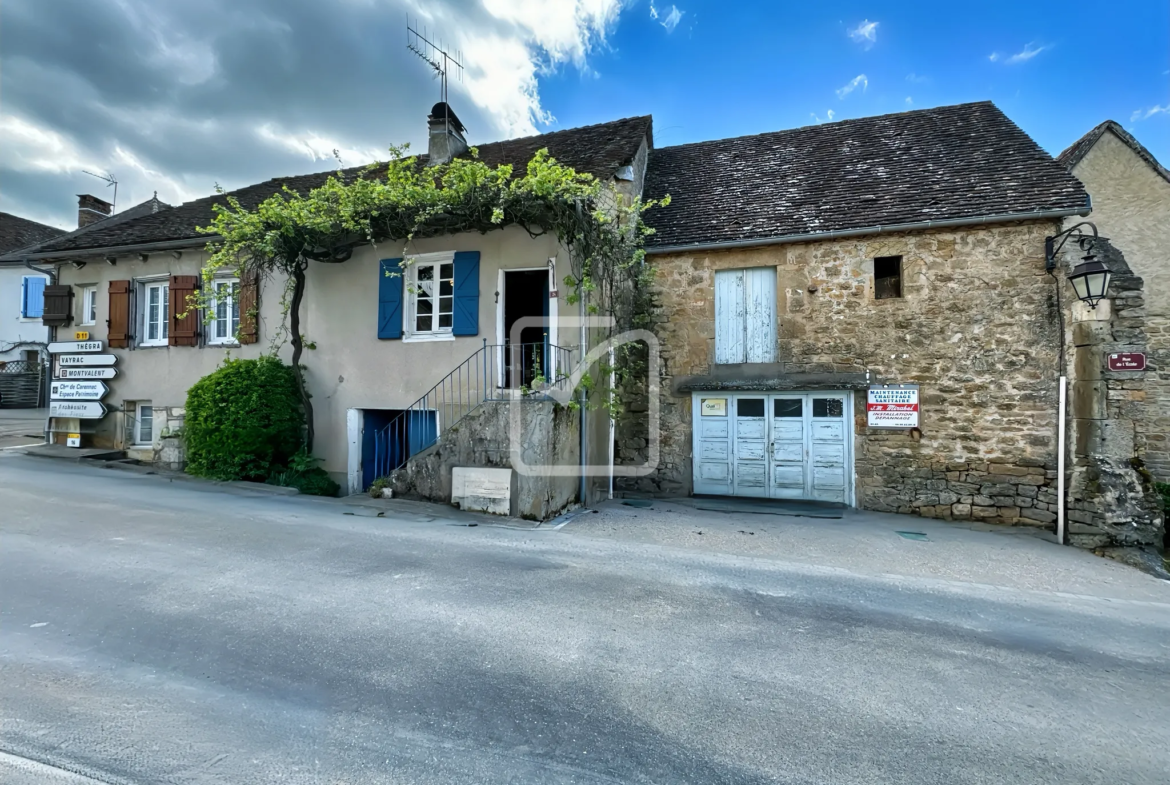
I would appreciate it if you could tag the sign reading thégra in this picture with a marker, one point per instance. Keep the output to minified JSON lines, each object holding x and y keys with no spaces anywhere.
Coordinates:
{"x":894,"y":406}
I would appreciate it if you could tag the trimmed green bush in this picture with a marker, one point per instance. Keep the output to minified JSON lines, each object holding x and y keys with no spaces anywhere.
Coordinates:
{"x":244,"y":420}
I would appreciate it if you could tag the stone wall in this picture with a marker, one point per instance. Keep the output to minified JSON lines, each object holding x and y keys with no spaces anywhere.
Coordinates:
{"x":1111,"y":500}
{"x":549,"y":436}
{"x":976,"y":328}
{"x":1131,"y":206}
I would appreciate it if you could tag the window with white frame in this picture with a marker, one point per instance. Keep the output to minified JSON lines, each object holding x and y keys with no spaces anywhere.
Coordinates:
{"x":144,"y":423}
{"x":155,"y":313}
{"x":225,"y":310}
{"x":88,"y":306}
{"x":430,"y":292}
{"x":745,"y":315}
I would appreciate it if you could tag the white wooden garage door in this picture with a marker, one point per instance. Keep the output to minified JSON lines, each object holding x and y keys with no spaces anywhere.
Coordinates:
{"x":774,"y":445}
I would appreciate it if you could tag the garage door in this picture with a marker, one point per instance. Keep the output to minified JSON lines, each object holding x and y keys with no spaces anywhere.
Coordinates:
{"x":774,"y":445}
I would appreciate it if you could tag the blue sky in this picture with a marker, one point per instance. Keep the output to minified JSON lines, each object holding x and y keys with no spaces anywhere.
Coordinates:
{"x":728,"y":69}
{"x":177,"y":97}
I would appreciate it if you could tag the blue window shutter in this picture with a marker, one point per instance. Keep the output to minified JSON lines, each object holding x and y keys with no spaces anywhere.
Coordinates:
{"x":466,"y":321}
{"x":34,"y":297}
{"x":390,"y":298}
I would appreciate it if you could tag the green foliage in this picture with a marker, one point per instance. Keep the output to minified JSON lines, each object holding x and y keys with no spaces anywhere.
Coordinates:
{"x":306,"y":476}
{"x":377,"y":486}
{"x":1163,"y":489}
{"x":243,"y":420}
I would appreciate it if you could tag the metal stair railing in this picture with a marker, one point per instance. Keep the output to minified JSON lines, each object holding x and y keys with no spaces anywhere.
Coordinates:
{"x":495,"y":372}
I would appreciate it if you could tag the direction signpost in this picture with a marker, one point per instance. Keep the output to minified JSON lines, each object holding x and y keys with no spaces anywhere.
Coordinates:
{"x":80,"y":410}
{"x":64,"y":360}
{"x":77,"y":391}
{"x":61,"y":347}
{"x":86,"y":373}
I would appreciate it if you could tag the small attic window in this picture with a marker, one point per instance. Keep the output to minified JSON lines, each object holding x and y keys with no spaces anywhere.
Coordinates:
{"x":887,"y":277}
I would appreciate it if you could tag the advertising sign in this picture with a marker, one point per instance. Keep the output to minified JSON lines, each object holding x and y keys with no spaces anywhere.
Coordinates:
{"x":714,"y":407}
{"x":1127,"y":361}
{"x":893,"y":406}
{"x":60,"y":347}
{"x":82,"y":410}
{"x":77,"y":391}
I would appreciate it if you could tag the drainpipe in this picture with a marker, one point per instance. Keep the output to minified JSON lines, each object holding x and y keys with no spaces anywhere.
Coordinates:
{"x":1061,"y":426}
{"x":48,"y":381}
{"x":584,"y":405}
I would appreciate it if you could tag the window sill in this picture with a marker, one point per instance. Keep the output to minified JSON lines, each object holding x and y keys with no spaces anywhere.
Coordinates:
{"x":220,"y":342}
{"x":87,"y":324}
{"x":425,"y":337}
{"x":30,"y":319}
{"x":145,"y":345}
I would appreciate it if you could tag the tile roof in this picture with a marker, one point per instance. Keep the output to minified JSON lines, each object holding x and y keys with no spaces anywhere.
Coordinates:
{"x":597,"y":149}
{"x":963,"y":161}
{"x":17,"y":232}
{"x":149,"y":207}
{"x":1078,"y":149}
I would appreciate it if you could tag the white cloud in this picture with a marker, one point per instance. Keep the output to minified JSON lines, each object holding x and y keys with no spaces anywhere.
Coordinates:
{"x":653,"y":10}
{"x":865,"y":33}
{"x":1144,"y":114}
{"x":828,"y":117}
{"x":1029,"y":51}
{"x":673,"y":17}
{"x":854,"y":83}
{"x":909,"y":101}
{"x":914,"y":78}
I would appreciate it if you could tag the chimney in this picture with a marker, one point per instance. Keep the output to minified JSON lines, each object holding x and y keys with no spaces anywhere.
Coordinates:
{"x":91,"y":209}
{"x":445,"y":139}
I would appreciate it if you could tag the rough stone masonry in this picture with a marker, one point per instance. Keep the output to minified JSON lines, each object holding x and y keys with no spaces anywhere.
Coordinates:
{"x":976,"y":327}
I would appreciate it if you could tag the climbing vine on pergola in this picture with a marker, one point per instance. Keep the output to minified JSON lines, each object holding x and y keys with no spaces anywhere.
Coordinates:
{"x":402,"y":200}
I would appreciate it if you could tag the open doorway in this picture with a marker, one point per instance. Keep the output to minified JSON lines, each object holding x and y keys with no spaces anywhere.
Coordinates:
{"x":524,"y":293}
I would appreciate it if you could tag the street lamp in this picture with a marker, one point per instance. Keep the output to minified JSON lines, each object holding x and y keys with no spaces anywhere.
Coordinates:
{"x":1090,"y":278}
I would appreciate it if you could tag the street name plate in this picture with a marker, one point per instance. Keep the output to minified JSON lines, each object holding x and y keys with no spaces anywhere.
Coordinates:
{"x":77,"y":391}
{"x":86,"y":359}
{"x":87,"y":373}
{"x":60,"y":347}
{"x":82,"y":410}
{"x":1127,"y":361}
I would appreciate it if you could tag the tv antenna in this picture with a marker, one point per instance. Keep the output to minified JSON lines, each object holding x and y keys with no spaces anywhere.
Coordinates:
{"x":434,"y":55}
{"x":110,"y":180}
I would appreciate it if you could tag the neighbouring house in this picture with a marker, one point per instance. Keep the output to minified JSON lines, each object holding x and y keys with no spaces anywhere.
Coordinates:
{"x":401,"y":365}
{"x":23,"y":335}
{"x":1121,"y":413}
{"x":814,"y":283}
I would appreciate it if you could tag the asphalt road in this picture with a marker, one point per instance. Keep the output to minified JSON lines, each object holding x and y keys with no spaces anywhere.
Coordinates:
{"x":159,"y":632}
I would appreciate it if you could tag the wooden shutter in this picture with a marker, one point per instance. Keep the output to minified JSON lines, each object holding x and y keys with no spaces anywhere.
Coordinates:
{"x":466,"y":303}
{"x":58,"y":310}
{"x":249,"y":308}
{"x":390,"y":288}
{"x":32,"y":304}
{"x":184,"y":316}
{"x":759,"y":294}
{"x":118,"y":333}
{"x":729,"y":317}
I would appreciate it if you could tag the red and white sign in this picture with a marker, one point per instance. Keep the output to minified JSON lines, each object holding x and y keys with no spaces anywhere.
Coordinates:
{"x":892,"y":407}
{"x":1127,"y":361}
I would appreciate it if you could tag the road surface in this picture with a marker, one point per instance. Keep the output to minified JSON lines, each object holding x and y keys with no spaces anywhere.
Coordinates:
{"x":171,"y":632}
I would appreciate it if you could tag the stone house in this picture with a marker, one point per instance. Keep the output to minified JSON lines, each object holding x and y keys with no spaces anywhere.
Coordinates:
{"x":398,"y":361}
{"x":803,"y":274}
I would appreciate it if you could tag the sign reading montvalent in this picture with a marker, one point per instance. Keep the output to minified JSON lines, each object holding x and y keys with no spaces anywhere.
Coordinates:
{"x":81,"y":410}
{"x":86,"y":373}
{"x":86,"y":359}
{"x":77,"y":391}
{"x":60,"y":347}
{"x":1127,"y":361}
{"x":894,"y":406}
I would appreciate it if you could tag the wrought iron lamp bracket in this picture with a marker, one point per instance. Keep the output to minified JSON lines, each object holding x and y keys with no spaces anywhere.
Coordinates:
{"x":1054,"y":244}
